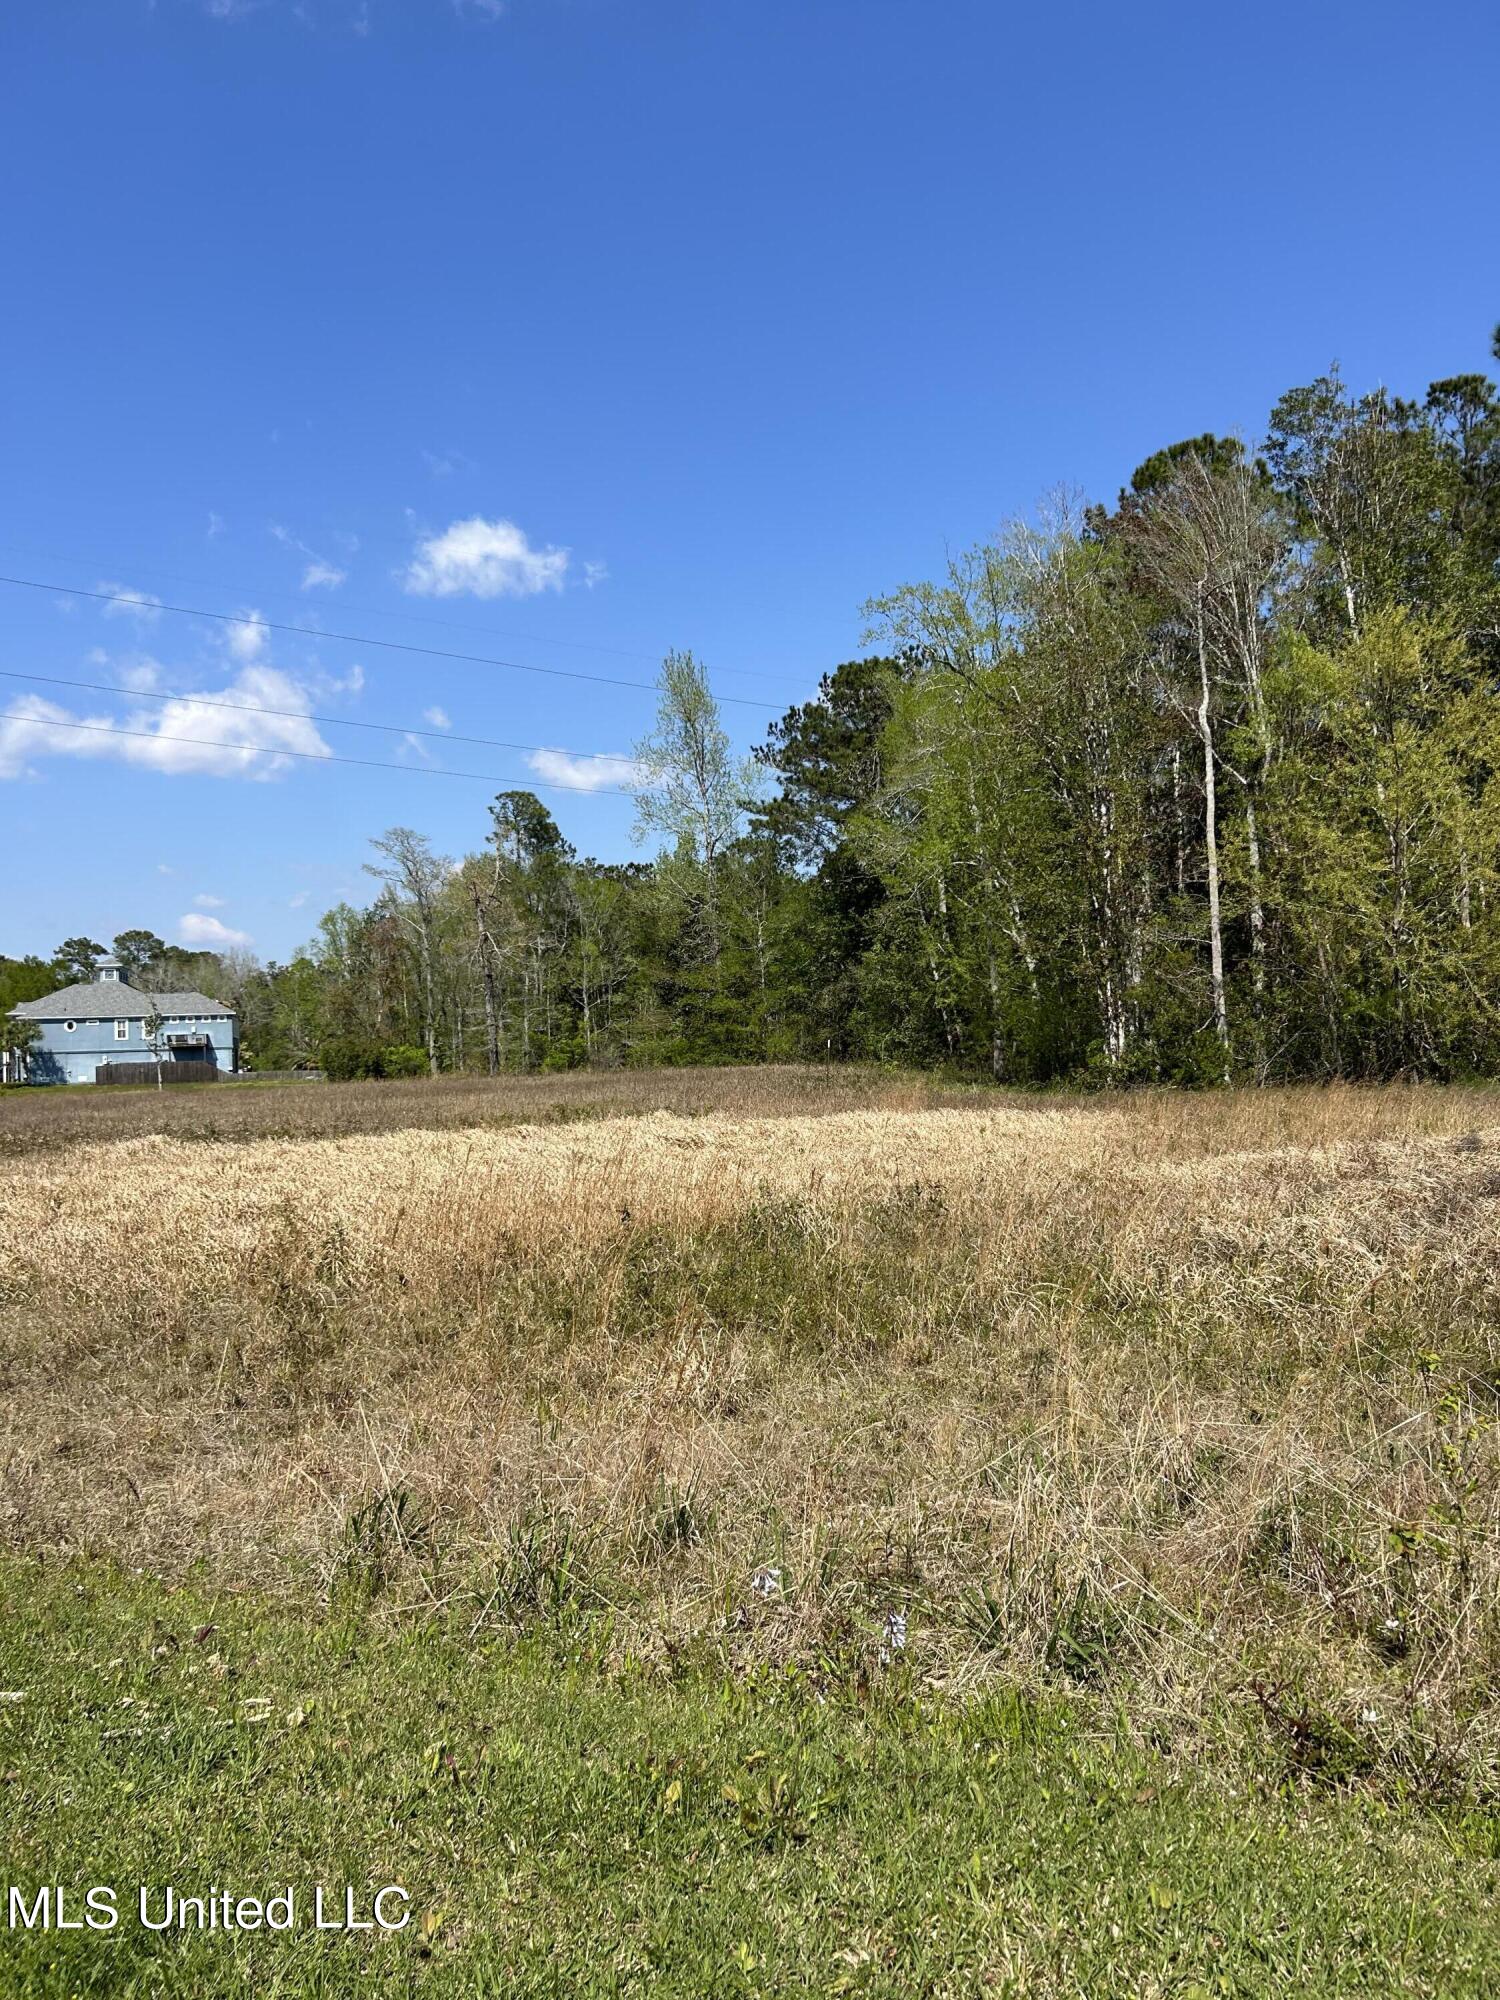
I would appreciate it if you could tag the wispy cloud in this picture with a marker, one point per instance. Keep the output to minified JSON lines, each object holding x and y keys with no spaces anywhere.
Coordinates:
{"x":215,"y":526}
{"x":189,"y":735}
{"x":585,"y":774}
{"x":248,"y":640}
{"x":594,"y":573}
{"x":318,"y":573}
{"x":140,"y":676}
{"x":349,"y":683}
{"x":483,"y":559}
{"x":443,"y":464}
{"x":207,"y":902}
{"x":208,"y":933}
{"x":488,"y":10}
{"x":436,"y":718}
{"x":127,"y":603}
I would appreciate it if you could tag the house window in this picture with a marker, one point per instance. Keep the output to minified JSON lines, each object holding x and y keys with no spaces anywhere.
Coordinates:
{"x":122,"y":1031}
{"x":69,"y":1026}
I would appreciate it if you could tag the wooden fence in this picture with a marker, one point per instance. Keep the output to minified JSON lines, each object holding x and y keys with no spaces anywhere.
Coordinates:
{"x":146,"y":1072}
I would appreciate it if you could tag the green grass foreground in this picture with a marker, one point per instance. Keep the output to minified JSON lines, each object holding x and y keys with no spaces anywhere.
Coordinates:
{"x":566,"y":1831}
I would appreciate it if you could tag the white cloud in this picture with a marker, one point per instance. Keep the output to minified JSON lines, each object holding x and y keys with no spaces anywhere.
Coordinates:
{"x":137,"y":675}
{"x":436,"y":718}
{"x":594,"y":573}
{"x":584,"y":774}
{"x":165,"y":868}
{"x":215,"y":526}
{"x":229,"y":742}
{"x":318,"y":572}
{"x":127,"y":603}
{"x":441,"y":464}
{"x":247,"y":641}
{"x":209,"y":902}
{"x":490,"y":9}
{"x":327,"y":687}
{"x":486,"y":559}
{"x":209,"y":933}
{"x":296,"y":902}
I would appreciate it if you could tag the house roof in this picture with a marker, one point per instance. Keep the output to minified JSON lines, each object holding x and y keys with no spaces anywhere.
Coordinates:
{"x":113,"y":1000}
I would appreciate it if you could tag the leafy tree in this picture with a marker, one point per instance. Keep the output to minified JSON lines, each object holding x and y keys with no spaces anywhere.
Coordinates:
{"x":1215,"y":455}
{"x":76,"y":959}
{"x":825,"y":756}
{"x":17,"y":1039}
{"x":139,"y":953}
{"x":413,"y":870}
{"x":28,"y":978}
{"x":691,"y":789}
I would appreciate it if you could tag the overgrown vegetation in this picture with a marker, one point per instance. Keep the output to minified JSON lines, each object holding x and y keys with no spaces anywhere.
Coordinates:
{"x":50,"y":1120}
{"x":1181,"y":1407}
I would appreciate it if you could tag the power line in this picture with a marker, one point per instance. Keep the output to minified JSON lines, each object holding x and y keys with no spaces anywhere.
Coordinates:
{"x":313,"y":756}
{"x":304,"y":715}
{"x":105,"y":566}
{"x":355,"y":639}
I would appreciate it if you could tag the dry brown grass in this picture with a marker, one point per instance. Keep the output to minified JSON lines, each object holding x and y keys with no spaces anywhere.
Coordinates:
{"x":1189,"y":1401}
{"x":49,"y":1120}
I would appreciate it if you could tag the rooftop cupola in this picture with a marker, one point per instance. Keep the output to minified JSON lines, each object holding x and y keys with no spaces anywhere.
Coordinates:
{"x":107,"y":968}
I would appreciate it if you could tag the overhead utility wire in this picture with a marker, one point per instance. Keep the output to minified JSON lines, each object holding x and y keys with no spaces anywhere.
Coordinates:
{"x":355,"y":639}
{"x":303,"y":715}
{"x":314,"y":756}
{"x":103,"y":565}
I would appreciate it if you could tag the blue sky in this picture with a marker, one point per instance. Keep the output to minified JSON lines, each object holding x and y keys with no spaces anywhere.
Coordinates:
{"x":566,"y":331}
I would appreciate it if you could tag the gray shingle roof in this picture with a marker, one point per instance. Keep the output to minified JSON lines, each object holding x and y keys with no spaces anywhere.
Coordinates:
{"x":113,"y":1000}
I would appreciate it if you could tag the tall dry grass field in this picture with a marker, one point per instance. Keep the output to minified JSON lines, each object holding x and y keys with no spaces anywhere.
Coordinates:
{"x":1187,"y":1403}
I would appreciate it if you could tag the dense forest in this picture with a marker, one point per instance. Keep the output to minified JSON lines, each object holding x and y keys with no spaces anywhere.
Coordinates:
{"x":1202,"y":786}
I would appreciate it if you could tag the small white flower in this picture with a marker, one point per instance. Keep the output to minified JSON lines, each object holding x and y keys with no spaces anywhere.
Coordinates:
{"x":1369,"y":1715}
{"x":766,"y":1582}
{"x":895,"y":1636}
{"x":1392,"y":1625}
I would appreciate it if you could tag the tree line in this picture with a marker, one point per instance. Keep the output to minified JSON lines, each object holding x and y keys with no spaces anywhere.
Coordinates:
{"x":1198,"y":787}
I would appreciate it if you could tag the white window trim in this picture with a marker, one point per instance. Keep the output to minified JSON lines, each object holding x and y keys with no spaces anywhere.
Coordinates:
{"x":122,"y":1031}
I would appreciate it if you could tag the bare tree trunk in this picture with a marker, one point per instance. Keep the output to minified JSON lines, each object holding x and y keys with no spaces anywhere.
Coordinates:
{"x":487,"y":979}
{"x":429,"y":1002}
{"x":1211,"y":845}
{"x":1257,"y":905}
{"x":997,"y":1033}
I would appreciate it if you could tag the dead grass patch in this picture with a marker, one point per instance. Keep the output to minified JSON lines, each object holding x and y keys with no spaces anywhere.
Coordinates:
{"x":1186,"y":1402}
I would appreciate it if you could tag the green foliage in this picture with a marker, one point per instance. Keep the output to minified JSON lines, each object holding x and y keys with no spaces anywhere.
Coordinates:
{"x":27,"y":979}
{"x":140,"y":953}
{"x":563,"y":1828}
{"x":1200,"y":788}
{"x":401,"y":1059}
{"x":76,"y":958}
{"x":344,"y":1058}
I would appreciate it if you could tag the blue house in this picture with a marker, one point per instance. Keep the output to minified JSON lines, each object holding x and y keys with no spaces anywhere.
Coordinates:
{"x":105,"y":1021}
